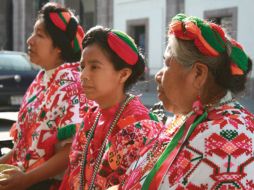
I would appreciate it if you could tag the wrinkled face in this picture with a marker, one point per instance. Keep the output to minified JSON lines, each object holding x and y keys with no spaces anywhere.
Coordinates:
{"x":175,"y":85}
{"x":40,"y":48}
{"x":100,"y":81}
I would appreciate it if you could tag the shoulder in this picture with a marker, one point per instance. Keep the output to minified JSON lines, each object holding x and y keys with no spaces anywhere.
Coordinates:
{"x":233,"y":114}
{"x":225,"y":121}
{"x":136,"y":109}
{"x":67,"y":73}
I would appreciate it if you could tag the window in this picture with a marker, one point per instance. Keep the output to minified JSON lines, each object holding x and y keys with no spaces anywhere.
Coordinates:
{"x":87,"y":13}
{"x":227,"y":18}
{"x":138,"y":30}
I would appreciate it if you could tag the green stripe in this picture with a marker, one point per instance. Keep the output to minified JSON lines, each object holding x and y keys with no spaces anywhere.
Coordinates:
{"x":163,"y":157}
{"x":172,"y":145}
{"x":62,"y":17}
{"x":32,"y":99}
{"x":66,"y":132}
{"x":76,"y":45}
{"x":126,"y":39}
{"x":239,"y":58}
{"x":212,"y":37}
{"x":108,"y":146}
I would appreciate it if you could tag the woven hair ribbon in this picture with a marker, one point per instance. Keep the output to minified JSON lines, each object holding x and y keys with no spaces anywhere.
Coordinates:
{"x":210,"y":39}
{"x":123,"y":46}
{"x":61,"y":20}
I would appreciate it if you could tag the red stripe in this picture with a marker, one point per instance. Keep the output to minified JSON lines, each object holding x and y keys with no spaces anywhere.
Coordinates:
{"x":57,"y":21}
{"x":123,"y":50}
{"x":156,"y":181}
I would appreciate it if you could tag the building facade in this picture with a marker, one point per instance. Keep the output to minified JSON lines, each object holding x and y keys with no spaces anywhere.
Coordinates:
{"x":234,"y":16}
{"x":145,"y":20}
{"x":17,"y":18}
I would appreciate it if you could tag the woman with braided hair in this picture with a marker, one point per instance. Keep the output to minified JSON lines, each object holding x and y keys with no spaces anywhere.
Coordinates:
{"x":116,"y":129}
{"x":209,"y":143}
{"x":52,"y":106}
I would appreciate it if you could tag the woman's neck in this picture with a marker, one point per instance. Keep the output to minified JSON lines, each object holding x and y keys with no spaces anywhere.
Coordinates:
{"x":110,"y":101}
{"x":54,"y":64}
{"x":212,"y":93}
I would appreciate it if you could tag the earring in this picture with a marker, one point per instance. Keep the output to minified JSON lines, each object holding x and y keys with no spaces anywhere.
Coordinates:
{"x":197,"y":106}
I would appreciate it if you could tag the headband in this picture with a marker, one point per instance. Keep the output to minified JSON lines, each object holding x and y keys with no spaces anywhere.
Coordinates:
{"x":61,"y":20}
{"x":210,"y":39}
{"x":124,"y":46}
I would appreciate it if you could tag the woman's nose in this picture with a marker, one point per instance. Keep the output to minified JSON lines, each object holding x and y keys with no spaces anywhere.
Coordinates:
{"x":84,"y":74}
{"x":158,"y":76}
{"x":29,"y":40}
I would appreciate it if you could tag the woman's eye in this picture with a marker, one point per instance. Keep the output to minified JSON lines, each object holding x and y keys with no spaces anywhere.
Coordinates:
{"x":93,"y":67}
{"x":39,"y":34}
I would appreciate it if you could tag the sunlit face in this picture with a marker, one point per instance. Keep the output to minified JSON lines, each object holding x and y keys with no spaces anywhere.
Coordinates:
{"x":40,"y":48}
{"x":100,"y":81}
{"x":174,"y":86}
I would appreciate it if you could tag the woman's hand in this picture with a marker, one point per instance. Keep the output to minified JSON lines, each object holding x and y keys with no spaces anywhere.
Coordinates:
{"x":16,"y":180}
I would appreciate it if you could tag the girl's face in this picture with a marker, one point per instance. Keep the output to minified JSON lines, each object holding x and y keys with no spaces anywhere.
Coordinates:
{"x":40,"y":48}
{"x":100,"y":81}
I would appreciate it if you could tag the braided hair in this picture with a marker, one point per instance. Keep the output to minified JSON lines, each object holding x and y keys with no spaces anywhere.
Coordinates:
{"x":64,"y":30}
{"x":193,"y":40}
{"x":120,"y":49}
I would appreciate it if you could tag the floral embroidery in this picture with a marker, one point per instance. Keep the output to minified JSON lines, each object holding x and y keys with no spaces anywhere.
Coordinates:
{"x":45,"y":109}
{"x":122,"y":149}
{"x":218,"y":155}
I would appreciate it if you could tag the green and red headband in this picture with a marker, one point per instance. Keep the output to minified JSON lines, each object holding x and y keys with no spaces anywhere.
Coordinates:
{"x":210,"y":39}
{"x":124,"y":46}
{"x":61,"y":20}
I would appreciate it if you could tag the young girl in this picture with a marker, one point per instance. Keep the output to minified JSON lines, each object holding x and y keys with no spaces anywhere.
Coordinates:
{"x":113,"y":132}
{"x":53,"y":104}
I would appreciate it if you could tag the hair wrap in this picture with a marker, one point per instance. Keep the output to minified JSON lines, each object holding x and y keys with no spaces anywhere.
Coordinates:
{"x":210,"y":39}
{"x":61,"y":20}
{"x":124,"y":46}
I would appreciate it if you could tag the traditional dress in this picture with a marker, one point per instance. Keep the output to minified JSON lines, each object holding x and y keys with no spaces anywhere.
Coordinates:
{"x":133,"y":130}
{"x":52,"y":107}
{"x":214,"y":152}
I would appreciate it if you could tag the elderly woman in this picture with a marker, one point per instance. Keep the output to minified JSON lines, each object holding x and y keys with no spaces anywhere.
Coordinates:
{"x":209,"y":143}
{"x":52,"y":106}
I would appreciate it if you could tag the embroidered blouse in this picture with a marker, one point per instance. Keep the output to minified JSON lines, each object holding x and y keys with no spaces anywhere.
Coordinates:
{"x":133,"y":130}
{"x":217,"y":155}
{"x":52,"y":107}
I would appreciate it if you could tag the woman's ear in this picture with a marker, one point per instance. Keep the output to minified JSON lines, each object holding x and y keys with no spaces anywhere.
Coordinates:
{"x":124,"y":74}
{"x":200,"y":74}
{"x":59,"y":50}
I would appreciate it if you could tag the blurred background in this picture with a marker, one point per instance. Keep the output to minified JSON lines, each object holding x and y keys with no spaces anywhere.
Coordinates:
{"x":145,"y":20}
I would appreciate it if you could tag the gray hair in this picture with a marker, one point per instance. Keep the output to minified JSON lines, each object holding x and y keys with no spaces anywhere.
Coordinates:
{"x":186,"y":53}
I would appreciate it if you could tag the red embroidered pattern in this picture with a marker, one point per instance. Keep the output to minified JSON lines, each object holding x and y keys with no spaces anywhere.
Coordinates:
{"x":133,"y":131}
{"x":218,"y":155}
{"x":45,"y":108}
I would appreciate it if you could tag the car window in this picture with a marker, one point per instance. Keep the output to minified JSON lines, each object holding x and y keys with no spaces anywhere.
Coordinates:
{"x":14,"y":62}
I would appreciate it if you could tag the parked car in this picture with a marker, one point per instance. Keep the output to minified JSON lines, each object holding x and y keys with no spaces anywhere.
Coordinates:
{"x":6,"y":121}
{"x":16,"y":74}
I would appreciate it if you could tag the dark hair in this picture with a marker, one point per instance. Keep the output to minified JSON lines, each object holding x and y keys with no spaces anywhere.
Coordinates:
{"x":186,"y":53}
{"x":223,"y":75}
{"x":61,"y":39}
{"x":98,"y":35}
